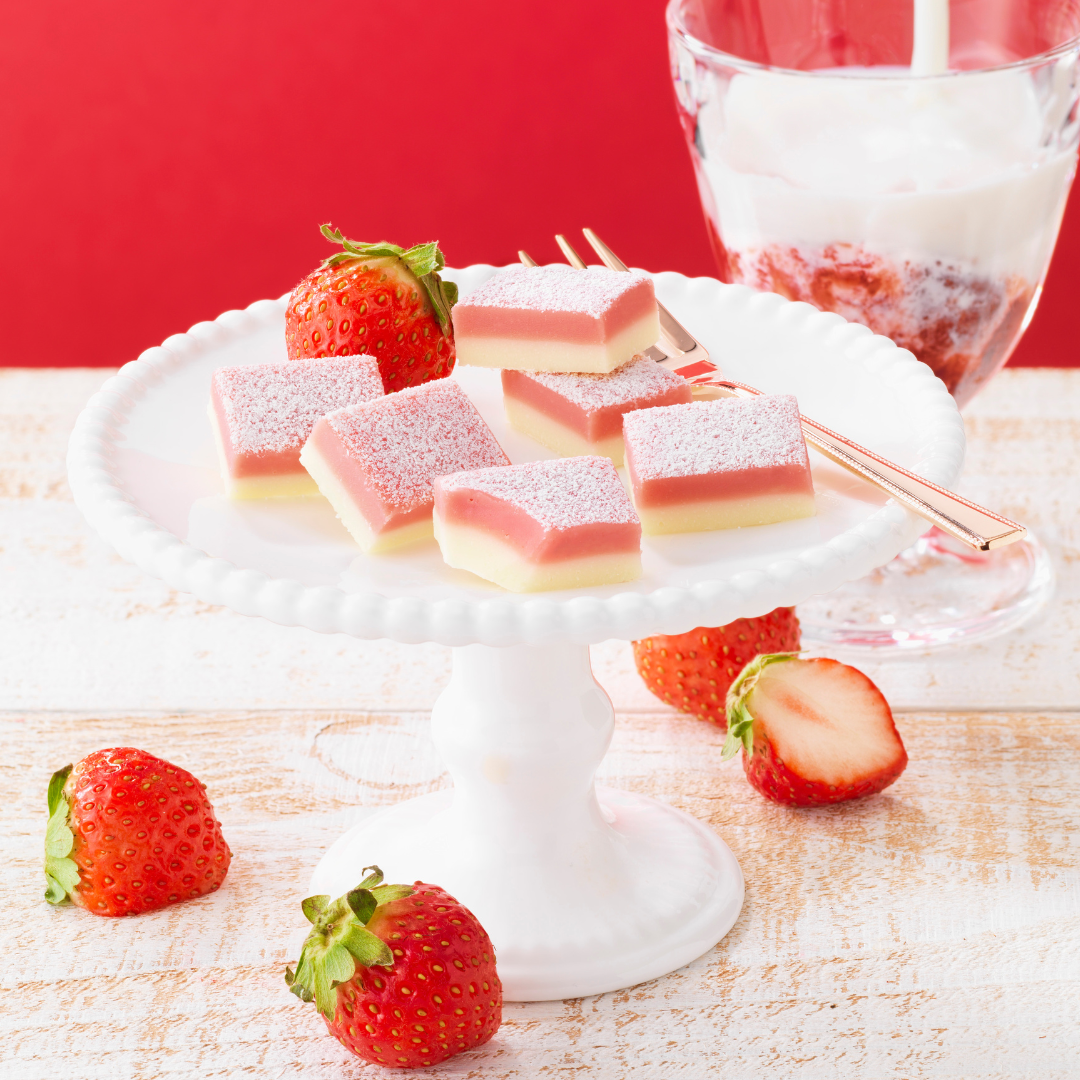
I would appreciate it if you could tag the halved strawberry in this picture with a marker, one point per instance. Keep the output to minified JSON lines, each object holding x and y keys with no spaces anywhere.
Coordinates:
{"x":381,"y":300}
{"x":812,"y":732}
{"x":693,"y":671}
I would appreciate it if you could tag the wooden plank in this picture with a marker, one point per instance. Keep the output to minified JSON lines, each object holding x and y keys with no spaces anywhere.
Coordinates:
{"x":932,"y":931}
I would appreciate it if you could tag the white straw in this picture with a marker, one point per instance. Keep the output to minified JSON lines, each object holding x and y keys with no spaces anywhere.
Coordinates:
{"x":930,"y":53}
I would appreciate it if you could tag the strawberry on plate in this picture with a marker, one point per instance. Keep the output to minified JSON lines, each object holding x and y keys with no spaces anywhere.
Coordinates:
{"x":129,"y":832}
{"x":403,"y":975}
{"x":693,"y":671}
{"x":381,"y":300}
{"x":812,"y":732}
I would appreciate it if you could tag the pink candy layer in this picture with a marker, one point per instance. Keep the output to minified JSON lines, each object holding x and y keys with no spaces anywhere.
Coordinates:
{"x":593,"y":405}
{"x":717,"y":449}
{"x":547,"y":510}
{"x":556,"y":303}
{"x":266,"y":412}
{"x":387,"y":452}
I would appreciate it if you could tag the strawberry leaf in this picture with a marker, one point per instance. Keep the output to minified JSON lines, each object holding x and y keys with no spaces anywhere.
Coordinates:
{"x":314,"y":906}
{"x":56,"y":787}
{"x":363,"y":904}
{"x":338,"y":964}
{"x":367,"y":949}
{"x":61,"y":873}
{"x":372,"y":879}
{"x":385,"y":893}
{"x":324,"y":993}
{"x":740,"y":721}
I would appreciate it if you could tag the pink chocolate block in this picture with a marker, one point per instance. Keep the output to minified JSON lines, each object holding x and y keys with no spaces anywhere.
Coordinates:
{"x":573,"y":413}
{"x":719,"y":454}
{"x":376,"y":462}
{"x":542,"y":524}
{"x":264,"y":413}
{"x":545,"y":318}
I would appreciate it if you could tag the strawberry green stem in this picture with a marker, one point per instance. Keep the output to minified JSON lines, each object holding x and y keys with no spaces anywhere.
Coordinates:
{"x":424,"y":261}
{"x":740,"y":732}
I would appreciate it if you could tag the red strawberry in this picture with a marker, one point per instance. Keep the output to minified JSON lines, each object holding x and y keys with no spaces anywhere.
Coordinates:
{"x":381,"y":300}
{"x":129,"y":833}
{"x":693,"y":671}
{"x":403,"y":975}
{"x":813,"y":732}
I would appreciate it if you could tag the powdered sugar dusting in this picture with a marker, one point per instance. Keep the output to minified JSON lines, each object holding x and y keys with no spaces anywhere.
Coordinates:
{"x":590,"y":292}
{"x":272,"y":408}
{"x":560,"y":494}
{"x":405,"y":440}
{"x":638,"y":380}
{"x":715,"y":436}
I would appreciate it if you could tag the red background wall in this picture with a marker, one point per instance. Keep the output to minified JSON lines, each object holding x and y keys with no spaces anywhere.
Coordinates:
{"x":164,"y":162}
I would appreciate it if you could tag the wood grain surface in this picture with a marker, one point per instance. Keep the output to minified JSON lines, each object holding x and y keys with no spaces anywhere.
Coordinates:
{"x":932,"y":931}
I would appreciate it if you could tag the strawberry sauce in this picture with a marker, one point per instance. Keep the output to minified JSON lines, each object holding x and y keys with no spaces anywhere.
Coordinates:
{"x":962,"y":324}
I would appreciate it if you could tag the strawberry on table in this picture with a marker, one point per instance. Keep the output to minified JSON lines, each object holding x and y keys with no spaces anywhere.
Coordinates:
{"x":693,"y":671}
{"x":403,"y":975}
{"x":812,"y":732}
{"x":381,"y":300}
{"x":128,"y":833}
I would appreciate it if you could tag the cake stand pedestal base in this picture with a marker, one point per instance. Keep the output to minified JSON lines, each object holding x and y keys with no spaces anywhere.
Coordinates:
{"x":581,"y":890}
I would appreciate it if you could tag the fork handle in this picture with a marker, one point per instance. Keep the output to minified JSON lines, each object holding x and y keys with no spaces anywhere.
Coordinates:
{"x":959,"y":517}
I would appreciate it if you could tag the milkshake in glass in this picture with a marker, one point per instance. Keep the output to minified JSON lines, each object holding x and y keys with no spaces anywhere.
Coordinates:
{"x":905,"y":164}
{"x":924,"y":206}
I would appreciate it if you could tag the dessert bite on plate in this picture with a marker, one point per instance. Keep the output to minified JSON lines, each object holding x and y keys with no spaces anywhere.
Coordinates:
{"x":559,"y":524}
{"x":718,"y":464}
{"x":262,"y":415}
{"x":375,"y":462}
{"x":582,"y":414}
{"x":556,"y":318}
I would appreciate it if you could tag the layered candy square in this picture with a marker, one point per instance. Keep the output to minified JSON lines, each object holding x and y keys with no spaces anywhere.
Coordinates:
{"x":559,"y":524}
{"x":582,"y":414}
{"x":556,"y":318}
{"x":718,"y":464}
{"x":375,"y":462}
{"x":262,"y":415}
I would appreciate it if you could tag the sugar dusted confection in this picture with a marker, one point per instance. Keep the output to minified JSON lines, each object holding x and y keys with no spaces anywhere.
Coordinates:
{"x":718,"y":464}
{"x":375,"y":462}
{"x":582,"y":414}
{"x":559,"y":524}
{"x":556,"y":318}
{"x":262,"y":415}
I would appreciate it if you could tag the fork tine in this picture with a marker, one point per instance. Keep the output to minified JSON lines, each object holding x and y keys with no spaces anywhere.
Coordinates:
{"x":526,"y":259}
{"x":607,"y":256}
{"x":572,"y":257}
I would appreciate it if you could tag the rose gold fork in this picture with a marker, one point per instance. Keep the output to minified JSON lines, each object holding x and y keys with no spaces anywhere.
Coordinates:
{"x":679,"y":351}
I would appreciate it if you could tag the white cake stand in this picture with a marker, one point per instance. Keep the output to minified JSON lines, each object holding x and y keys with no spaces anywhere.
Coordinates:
{"x":582,"y":891}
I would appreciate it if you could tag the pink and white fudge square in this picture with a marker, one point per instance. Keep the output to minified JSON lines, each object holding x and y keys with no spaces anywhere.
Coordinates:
{"x":556,"y":318}
{"x":718,"y":464}
{"x":262,"y":415}
{"x":559,"y":524}
{"x":376,"y":462}
{"x":582,"y":414}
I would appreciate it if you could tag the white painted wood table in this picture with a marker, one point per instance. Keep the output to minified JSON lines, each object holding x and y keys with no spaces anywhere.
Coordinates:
{"x":933,"y":931}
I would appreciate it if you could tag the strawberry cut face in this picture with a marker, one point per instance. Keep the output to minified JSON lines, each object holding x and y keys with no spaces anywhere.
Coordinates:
{"x":826,"y":722}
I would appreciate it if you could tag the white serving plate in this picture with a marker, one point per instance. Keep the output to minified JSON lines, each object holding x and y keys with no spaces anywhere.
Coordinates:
{"x":143,"y":471}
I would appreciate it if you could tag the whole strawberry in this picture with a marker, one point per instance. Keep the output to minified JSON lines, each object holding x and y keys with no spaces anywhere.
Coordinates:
{"x":128,"y":833}
{"x":812,"y":732}
{"x":381,"y":300}
{"x":693,"y":671}
{"x":403,"y":975}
